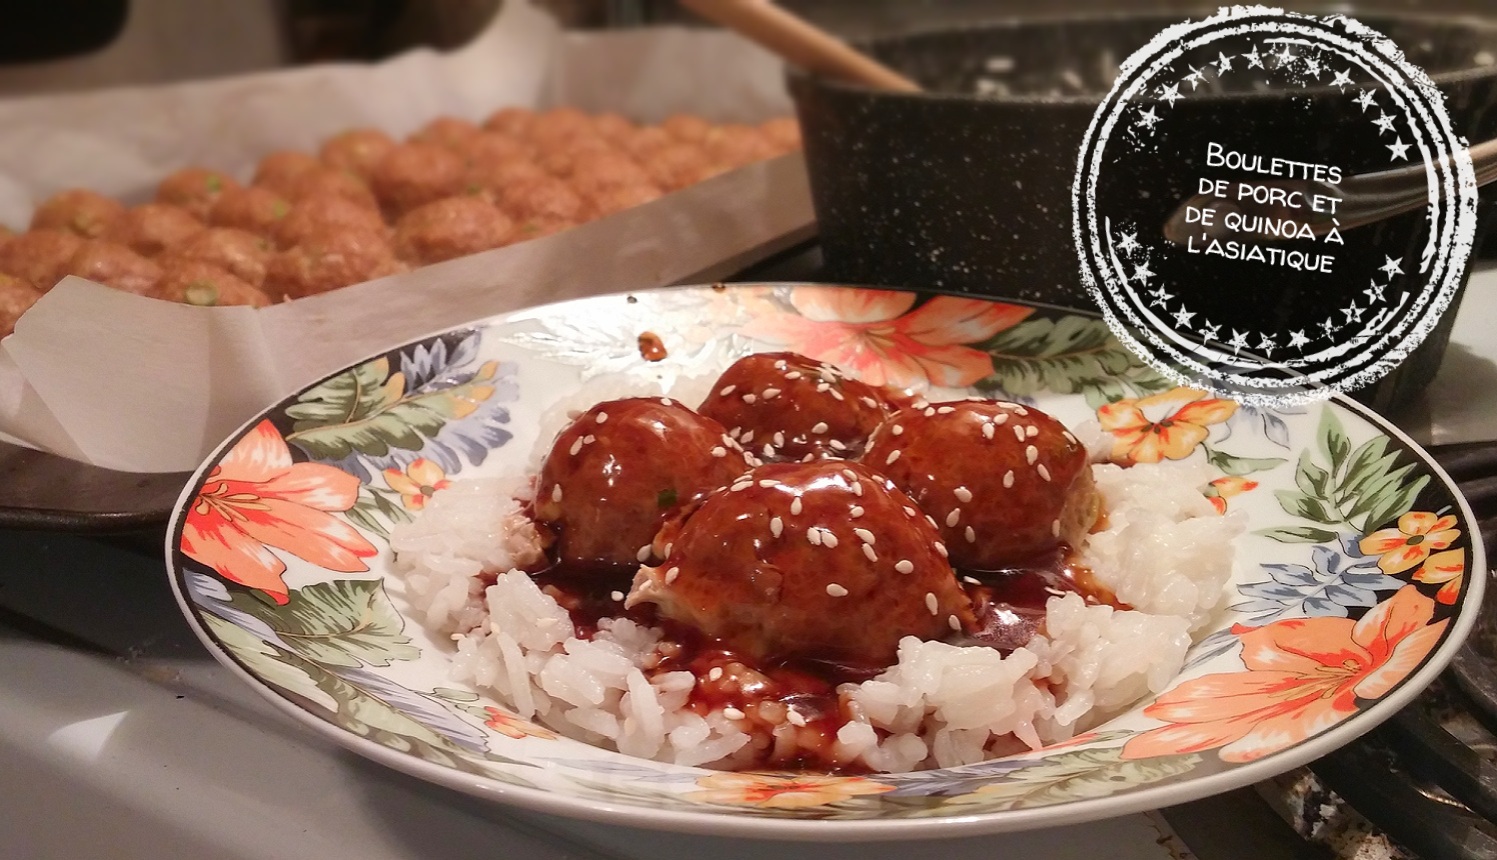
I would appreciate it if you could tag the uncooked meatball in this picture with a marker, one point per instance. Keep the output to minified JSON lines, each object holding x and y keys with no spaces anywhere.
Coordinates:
{"x":280,"y":171}
{"x":240,"y":252}
{"x":206,"y":285}
{"x":1006,"y":483}
{"x":317,"y":215}
{"x":617,"y":472}
{"x":452,"y":132}
{"x":450,"y":228}
{"x":78,"y":210}
{"x":738,"y":145}
{"x":557,"y":126}
{"x":542,"y":199}
{"x":257,"y":210}
{"x":413,"y":174}
{"x":562,"y":158}
{"x":39,"y":257}
{"x":327,"y":182}
{"x":195,"y":189}
{"x":615,"y":128}
{"x":16,"y":298}
{"x":599,"y":171}
{"x":687,"y":128}
{"x":496,"y":177}
{"x":356,"y":151}
{"x":492,"y":148}
{"x":151,"y":228}
{"x":678,"y":165}
{"x":328,"y":261}
{"x":823,"y":560}
{"x":781,"y":405}
{"x":610,"y":200}
{"x":115,"y":265}
{"x":645,"y":142}
{"x":513,"y":121}
{"x":782,"y":133}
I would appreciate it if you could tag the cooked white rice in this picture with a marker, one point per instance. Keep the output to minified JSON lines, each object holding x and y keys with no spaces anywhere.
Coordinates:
{"x":1165,"y":552}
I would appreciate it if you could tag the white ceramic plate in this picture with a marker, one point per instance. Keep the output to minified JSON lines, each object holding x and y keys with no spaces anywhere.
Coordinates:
{"x":1352,"y":591}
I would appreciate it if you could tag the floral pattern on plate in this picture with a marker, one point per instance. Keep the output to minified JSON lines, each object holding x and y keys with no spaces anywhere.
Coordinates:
{"x":1352,"y":589}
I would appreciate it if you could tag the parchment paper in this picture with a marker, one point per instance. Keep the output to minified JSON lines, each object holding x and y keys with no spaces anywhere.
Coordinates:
{"x":140,"y":385}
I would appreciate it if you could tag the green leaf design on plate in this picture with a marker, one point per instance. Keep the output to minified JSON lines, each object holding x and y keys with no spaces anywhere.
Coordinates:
{"x":1067,"y":355}
{"x":1229,"y":464}
{"x":265,"y":661}
{"x":369,"y":411}
{"x":1078,"y":775}
{"x":347,"y":622}
{"x":1361,"y":488}
{"x":377,"y":510}
{"x":1298,"y":534}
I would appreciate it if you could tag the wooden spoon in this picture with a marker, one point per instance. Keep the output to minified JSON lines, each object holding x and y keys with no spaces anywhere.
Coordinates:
{"x":800,"y":42}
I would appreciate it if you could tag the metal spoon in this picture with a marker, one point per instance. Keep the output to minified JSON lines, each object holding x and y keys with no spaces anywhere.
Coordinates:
{"x":1364,"y":199}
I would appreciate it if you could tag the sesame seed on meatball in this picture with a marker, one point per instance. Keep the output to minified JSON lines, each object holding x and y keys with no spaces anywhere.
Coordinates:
{"x":449,"y":228}
{"x":39,"y":257}
{"x":258,"y":210}
{"x":195,"y":189}
{"x":85,"y":213}
{"x":151,"y":228}
{"x":206,"y":285}
{"x":356,"y":151}
{"x":412,"y":174}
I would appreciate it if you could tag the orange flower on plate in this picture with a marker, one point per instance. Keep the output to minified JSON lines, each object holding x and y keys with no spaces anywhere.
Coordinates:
{"x":875,"y":335}
{"x":417,"y":482}
{"x":1168,"y":425}
{"x":1446,"y":569}
{"x":781,"y":791}
{"x":1218,"y":491}
{"x":257,"y":499}
{"x":1303,"y":676}
{"x":1417,"y":534}
{"x":512,"y":726}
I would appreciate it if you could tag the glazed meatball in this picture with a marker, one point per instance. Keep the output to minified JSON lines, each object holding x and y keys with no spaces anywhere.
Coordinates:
{"x":685,"y":127}
{"x":328,"y":261}
{"x":240,"y":252}
{"x":280,"y":171}
{"x":454,"y":227}
{"x":356,"y":151}
{"x":1005,"y":483}
{"x":16,"y":298}
{"x":151,"y":228}
{"x":451,"y":132}
{"x":824,"y":560}
{"x":206,"y":285}
{"x":317,"y":215}
{"x":115,"y":265}
{"x":595,"y":172}
{"x":39,"y":257}
{"x":677,"y":166}
{"x":611,"y":200}
{"x":195,"y":189}
{"x":327,"y":182}
{"x":413,"y":174}
{"x":617,"y":472}
{"x":790,"y":407}
{"x":85,"y":213}
{"x":783,"y":133}
{"x":257,"y":210}
{"x":513,"y":121}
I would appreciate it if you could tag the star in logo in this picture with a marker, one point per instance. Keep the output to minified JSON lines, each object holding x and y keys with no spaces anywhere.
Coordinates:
{"x":1171,"y":94}
{"x":1195,"y":78}
{"x":1392,"y":267}
{"x":1353,"y":313}
{"x":1384,"y":123}
{"x":1313,"y":66}
{"x":1208,"y":330}
{"x":1128,"y":243}
{"x":1183,"y":317}
{"x":1399,"y":149}
{"x":1238,"y":341}
{"x":1266,"y":344}
{"x":1342,"y":80}
{"x":1223,"y":62}
{"x":1285,"y":56}
{"x":1367,"y":99}
{"x":1147,"y":118}
{"x":1142,"y":273}
{"x":1158,"y":298}
{"x":1255,"y":59}
{"x":1328,"y":325}
{"x":1374,"y":293}
{"x":1297,"y":339}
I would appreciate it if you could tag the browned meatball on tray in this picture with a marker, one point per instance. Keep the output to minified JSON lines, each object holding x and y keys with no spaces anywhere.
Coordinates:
{"x":206,"y":285}
{"x":614,"y":128}
{"x":598,"y":171}
{"x":413,"y":174}
{"x":513,"y":121}
{"x":783,"y":133}
{"x":738,"y":145}
{"x":546,"y":198}
{"x":781,"y":405}
{"x":279,"y":171}
{"x":356,"y":151}
{"x":557,"y":126}
{"x":621,"y":469}
{"x":610,"y":200}
{"x":152,"y":228}
{"x":327,"y":182}
{"x":491,"y":148}
{"x":258,"y":210}
{"x":16,"y":298}
{"x":115,"y":265}
{"x":452,"y":132}
{"x":494,"y":178}
{"x":686,"y":127}
{"x":240,"y":252}
{"x":317,"y":215}
{"x":85,"y":213}
{"x":336,"y":258}
{"x":561,"y":159}
{"x":195,"y":189}
{"x":645,"y":142}
{"x":39,"y":257}
{"x":1005,"y":483}
{"x":823,"y":560}
{"x":676,"y":166}
{"x":454,"y":227}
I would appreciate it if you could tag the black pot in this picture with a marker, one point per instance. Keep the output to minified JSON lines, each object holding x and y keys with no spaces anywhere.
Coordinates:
{"x":952,"y":190}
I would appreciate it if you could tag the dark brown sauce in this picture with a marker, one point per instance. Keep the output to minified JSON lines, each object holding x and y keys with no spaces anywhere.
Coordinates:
{"x":1010,"y":603}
